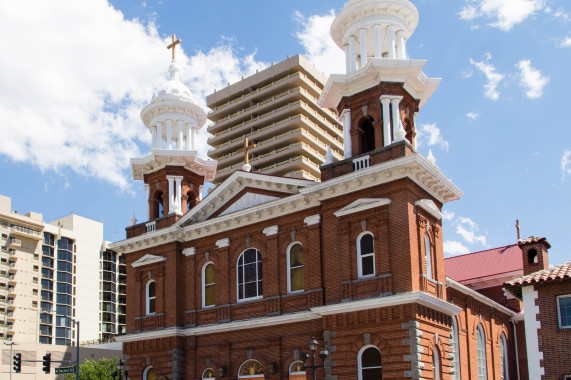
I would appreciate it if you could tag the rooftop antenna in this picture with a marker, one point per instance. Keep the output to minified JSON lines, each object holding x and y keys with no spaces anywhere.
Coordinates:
{"x":517,"y":228}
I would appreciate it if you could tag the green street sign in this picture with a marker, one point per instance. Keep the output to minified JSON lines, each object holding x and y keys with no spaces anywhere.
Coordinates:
{"x":62,"y":370}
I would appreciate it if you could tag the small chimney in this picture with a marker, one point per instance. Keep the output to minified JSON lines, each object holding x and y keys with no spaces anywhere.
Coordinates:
{"x":534,"y":254}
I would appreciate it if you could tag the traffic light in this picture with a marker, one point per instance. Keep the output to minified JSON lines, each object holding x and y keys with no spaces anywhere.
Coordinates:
{"x":47,"y":363}
{"x":18,"y":363}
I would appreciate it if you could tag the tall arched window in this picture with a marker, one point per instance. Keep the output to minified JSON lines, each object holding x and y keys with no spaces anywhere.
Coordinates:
{"x":367,"y":135}
{"x":249,"y":276}
{"x":481,"y":351}
{"x":251,"y":369}
{"x":208,"y":285}
{"x":150,"y":297}
{"x":297,"y":371}
{"x":504,"y":357}
{"x":436,"y":363}
{"x":295,"y":267}
{"x":149,"y":374}
{"x":428,"y":256}
{"x":455,"y":349}
{"x":365,"y":255}
{"x":208,"y":374}
{"x":369,"y":363}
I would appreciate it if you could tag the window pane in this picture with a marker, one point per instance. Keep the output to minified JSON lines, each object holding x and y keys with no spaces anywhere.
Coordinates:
{"x":367,"y":244}
{"x":250,"y":273}
{"x":565,"y":311}
{"x":151,"y":305}
{"x":368,"y":265}
{"x":296,"y":255}
{"x":297,"y":279}
{"x":371,"y":358}
{"x":428,"y":256}
{"x":152,"y":289}
{"x":250,"y":256}
{"x":209,"y":295}
{"x":372,"y":374}
{"x":251,"y":289}
{"x":209,"y":274}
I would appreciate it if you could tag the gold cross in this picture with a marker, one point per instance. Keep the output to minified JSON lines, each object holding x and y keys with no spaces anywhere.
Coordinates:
{"x":173,"y":44}
{"x":245,"y":149}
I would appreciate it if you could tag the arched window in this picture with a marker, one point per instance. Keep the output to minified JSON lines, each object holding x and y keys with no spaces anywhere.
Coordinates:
{"x":149,"y":374}
{"x":251,"y":369}
{"x":367,"y":135}
{"x":208,"y":285}
{"x":365,"y":255}
{"x":297,"y":371}
{"x":295,"y":267}
{"x":504,"y":357}
{"x":436,"y":363}
{"x":481,"y":348}
{"x":455,"y":349}
{"x":249,"y":276}
{"x":150,"y":297}
{"x":369,"y":363}
{"x":428,"y":256}
{"x":208,"y":374}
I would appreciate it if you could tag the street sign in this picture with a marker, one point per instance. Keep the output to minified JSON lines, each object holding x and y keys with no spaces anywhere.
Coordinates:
{"x":61,"y":370}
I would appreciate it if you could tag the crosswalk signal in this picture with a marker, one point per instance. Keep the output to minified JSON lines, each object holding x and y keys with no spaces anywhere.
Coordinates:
{"x":18,"y":363}
{"x":47,"y":362}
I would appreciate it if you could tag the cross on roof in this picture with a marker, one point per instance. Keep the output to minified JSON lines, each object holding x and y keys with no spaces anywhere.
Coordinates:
{"x":173,"y":45}
{"x":245,"y":149}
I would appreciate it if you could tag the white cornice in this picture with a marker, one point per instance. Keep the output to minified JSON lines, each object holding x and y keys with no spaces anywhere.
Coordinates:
{"x":361,"y":205}
{"x":429,"y":206}
{"x":160,"y":158}
{"x":148,"y":259}
{"x":479,"y":297}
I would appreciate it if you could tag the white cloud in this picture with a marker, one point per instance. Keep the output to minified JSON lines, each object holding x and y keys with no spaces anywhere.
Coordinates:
{"x":447,"y":215}
{"x":566,"y":42}
{"x":566,"y":163}
{"x":472,"y":115}
{"x":493,"y":77}
{"x":71,"y":100}
{"x":453,"y":248}
{"x":505,"y":13}
{"x":430,"y":134}
{"x":314,"y":35}
{"x":531,"y":79}
{"x":468,"y":230}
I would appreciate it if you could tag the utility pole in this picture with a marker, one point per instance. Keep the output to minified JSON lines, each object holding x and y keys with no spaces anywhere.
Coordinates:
{"x":11,"y":344}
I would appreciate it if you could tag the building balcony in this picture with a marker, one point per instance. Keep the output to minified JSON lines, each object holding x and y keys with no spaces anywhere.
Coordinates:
{"x":15,"y":243}
{"x":26,"y":232}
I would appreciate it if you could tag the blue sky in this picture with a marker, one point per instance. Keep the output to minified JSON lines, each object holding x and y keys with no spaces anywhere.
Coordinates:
{"x":75,"y":75}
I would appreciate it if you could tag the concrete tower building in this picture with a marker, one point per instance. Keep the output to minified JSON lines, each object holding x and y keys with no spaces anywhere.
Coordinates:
{"x":276,"y":110}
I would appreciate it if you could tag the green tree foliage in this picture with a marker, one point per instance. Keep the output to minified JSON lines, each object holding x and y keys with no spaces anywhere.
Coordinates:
{"x":96,"y":370}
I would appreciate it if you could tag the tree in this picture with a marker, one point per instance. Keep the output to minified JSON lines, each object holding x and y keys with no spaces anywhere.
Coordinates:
{"x":96,"y":370}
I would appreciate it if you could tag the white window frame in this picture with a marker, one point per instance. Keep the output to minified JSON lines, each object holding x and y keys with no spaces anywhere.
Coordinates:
{"x":204,"y":373}
{"x":360,"y":256}
{"x":291,"y":369}
{"x":262,"y":375}
{"x":456,"y":349}
{"x":246,"y":299}
{"x":289,"y":268}
{"x":360,"y":359}
{"x":504,"y":367}
{"x":428,"y":256}
{"x":481,"y":348}
{"x":204,"y":284}
{"x":559,"y":311}
{"x":436,"y":363}
{"x":148,"y":299}
{"x":146,"y":371}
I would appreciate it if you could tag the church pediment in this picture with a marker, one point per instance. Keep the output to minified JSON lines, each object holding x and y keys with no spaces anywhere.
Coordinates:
{"x":240,"y":192}
{"x":148,"y":259}
{"x":361,"y":205}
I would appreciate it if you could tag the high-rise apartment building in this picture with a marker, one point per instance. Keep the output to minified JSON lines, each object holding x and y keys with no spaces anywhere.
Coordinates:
{"x":48,"y":276}
{"x":276,"y":110}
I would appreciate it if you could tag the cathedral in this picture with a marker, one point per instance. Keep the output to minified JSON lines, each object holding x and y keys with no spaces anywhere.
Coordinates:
{"x":277,"y":277}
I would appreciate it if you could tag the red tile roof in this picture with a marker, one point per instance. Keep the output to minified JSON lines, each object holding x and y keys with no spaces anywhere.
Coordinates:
{"x":534,"y":239}
{"x":556,"y":272}
{"x":491,"y":262}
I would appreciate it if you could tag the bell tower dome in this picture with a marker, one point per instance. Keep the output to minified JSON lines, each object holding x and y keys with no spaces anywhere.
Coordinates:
{"x":382,"y":90}
{"x":173,"y":173}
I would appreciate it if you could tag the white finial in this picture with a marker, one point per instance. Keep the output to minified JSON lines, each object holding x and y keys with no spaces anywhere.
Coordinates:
{"x":430,"y":158}
{"x":133,"y":220}
{"x":247,"y":167}
{"x":328,"y":156}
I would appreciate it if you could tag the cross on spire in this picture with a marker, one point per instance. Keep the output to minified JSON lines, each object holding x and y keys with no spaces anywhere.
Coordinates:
{"x":245,"y":149}
{"x":173,"y":45}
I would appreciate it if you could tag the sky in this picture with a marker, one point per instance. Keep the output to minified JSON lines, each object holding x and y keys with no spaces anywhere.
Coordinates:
{"x":74,"y":76}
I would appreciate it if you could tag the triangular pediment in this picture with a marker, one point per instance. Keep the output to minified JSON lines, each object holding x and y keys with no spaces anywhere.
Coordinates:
{"x":148,"y":259}
{"x":361,"y":205}
{"x":240,"y":192}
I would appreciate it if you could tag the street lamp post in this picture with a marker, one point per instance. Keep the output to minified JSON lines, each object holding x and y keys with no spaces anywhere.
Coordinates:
{"x":11,"y":344}
{"x":313,"y":346}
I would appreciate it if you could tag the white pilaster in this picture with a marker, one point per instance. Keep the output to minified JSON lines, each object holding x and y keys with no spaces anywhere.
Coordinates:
{"x":398,"y":131}
{"x":200,"y":190}
{"x":347,"y":146}
{"x":392,"y":47}
{"x":187,"y":134}
{"x":401,"y":54}
{"x":171,"y":194}
{"x":193,"y":138}
{"x":352,"y":54}
{"x":159,"y":134}
{"x":169,"y":134}
{"x":180,"y":135}
{"x":378,"y":41}
{"x":363,"y":43}
{"x":154,"y":136}
{"x":178,"y":199}
{"x":347,"y":59}
{"x":386,"y":102}
{"x":148,"y":192}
